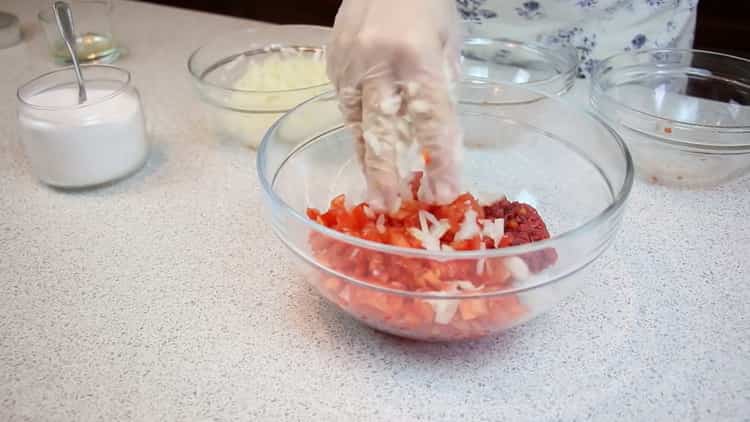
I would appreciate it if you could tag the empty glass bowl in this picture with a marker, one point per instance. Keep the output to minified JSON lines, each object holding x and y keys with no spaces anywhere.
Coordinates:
{"x":488,"y":57}
{"x":685,"y":114}
{"x":253,"y":76}
{"x":563,"y":161}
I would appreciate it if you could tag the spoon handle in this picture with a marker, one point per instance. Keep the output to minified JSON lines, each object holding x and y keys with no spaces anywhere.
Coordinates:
{"x":64,"y":18}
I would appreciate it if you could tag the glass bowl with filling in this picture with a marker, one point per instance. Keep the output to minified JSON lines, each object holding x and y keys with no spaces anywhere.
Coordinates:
{"x":252,"y":76}
{"x":544,"y":188}
{"x":685,"y":114}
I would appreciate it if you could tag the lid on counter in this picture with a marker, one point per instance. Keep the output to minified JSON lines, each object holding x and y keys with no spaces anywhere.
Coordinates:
{"x":10,"y":30}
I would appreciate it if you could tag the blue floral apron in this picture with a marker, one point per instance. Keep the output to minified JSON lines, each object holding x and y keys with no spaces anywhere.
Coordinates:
{"x":597,"y":28}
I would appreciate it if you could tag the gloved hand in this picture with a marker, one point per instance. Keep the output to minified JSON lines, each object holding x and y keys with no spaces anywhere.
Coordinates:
{"x":393,"y":63}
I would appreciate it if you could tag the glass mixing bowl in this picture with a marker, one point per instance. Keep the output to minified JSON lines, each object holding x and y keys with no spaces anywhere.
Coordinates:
{"x":563,"y":161}
{"x":220,"y":72}
{"x":685,"y":114}
{"x":488,"y":57}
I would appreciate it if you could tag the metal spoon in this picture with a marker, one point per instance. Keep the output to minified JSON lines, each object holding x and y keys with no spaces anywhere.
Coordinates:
{"x":64,"y":18}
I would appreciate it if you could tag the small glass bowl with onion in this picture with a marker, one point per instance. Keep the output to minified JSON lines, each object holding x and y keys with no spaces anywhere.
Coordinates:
{"x":252,"y":76}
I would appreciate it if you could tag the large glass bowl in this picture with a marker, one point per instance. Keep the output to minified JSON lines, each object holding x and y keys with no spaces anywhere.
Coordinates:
{"x":685,"y":114}
{"x":563,"y":161}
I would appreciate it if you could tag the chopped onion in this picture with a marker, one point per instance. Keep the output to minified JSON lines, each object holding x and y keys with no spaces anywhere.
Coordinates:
{"x":380,"y":224}
{"x":396,"y":205}
{"x":374,"y":144}
{"x":390,"y":105}
{"x":444,"y":309}
{"x":494,"y":229}
{"x":428,"y":240}
{"x":440,"y":229}
{"x":345,"y":294}
{"x":423,"y":221}
{"x":288,"y":70}
{"x":481,"y":261}
{"x":431,"y":218}
{"x":368,"y":212}
{"x":469,"y":228}
{"x":518,"y":268}
{"x":430,"y":236}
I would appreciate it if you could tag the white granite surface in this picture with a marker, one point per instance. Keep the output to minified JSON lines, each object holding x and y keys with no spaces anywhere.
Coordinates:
{"x":166,"y":297}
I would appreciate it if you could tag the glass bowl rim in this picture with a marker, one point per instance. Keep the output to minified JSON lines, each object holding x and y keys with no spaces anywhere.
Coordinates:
{"x":615,"y":206}
{"x":570,"y":63}
{"x":124,"y":86}
{"x":598,"y":92}
{"x":199,"y":77}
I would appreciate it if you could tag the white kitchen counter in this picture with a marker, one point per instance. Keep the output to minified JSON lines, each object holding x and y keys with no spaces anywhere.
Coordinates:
{"x":167,"y":297}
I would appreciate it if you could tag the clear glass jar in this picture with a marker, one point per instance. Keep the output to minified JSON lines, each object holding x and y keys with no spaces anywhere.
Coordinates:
{"x":71,"y":145}
{"x":95,"y":42}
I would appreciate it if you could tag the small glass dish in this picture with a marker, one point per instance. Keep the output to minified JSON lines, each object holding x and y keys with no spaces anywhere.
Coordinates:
{"x":486,"y":58}
{"x":565,"y":162}
{"x":220,"y":72}
{"x":95,"y":42}
{"x":685,"y":114}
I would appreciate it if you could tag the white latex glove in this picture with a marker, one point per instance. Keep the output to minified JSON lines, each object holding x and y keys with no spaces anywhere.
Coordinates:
{"x":393,"y":63}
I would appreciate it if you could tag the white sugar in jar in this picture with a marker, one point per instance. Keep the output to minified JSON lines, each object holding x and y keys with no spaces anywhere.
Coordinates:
{"x":71,"y":145}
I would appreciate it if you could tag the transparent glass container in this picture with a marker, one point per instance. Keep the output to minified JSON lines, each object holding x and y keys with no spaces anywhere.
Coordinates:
{"x":219,"y":68}
{"x":95,"y":42}
{"x":568,"y":164}
{"x":489,"y":57}
{"x":71,"y":145}
{"x":685,"y":114}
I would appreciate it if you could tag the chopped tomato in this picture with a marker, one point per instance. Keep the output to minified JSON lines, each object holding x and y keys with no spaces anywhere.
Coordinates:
{"x":456,"y":210}
{"x":313,"y":214}
{"x":426,"y":157}
{"x":472,"y":308}
{"x":397,"y":237}
{"x":470,"y":318}
{"x":468,"y":244}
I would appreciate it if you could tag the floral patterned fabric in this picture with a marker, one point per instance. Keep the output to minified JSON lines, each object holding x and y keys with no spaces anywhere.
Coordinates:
{"x":597,"y":28}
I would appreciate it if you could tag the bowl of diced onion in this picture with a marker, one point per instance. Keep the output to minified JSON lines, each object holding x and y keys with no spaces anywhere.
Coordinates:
{"x":252,"y":76}
{"x":545,"y":187}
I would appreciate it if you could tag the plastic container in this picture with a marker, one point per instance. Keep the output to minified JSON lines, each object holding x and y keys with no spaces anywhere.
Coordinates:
{"x":71,"y":145}
{"x":685,"y":114}
{"x":565,"y":162}
{"x":220,"y":71}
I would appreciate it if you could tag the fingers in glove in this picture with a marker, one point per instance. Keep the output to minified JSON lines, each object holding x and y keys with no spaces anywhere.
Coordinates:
{"x":381,"y":133}
{"x":436,"y":129}
{"x":350,"y":105}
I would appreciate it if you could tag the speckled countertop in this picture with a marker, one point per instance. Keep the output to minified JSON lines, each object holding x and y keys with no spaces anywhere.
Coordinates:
{"x":166,"y":297}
